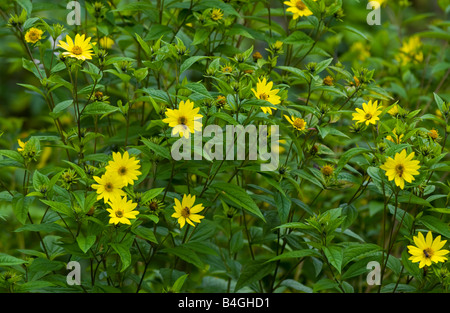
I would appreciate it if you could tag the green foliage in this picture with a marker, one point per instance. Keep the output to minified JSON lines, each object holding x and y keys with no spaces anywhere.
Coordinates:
{"x":311,"y":225}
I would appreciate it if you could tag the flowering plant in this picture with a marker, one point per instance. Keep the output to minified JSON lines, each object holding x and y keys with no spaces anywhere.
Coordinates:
{"x":234,"y":146}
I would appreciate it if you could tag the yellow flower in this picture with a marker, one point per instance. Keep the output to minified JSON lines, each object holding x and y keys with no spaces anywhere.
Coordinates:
{"x":21,"y":145}
{"x":186,"y":211}
{"x":394,"y":110}
{"x":327,"y":170}
{"x":369,"y":113}
{"x":184,"y":120}
{"x":106,"y":42}
{"x":124,"y":167}
{"x":401,"y":168}
{"x":410,"y":51}
{"x":296,"y":122}
{"x":79,"y":49}
{"x":360,"y":50}
{"x":227,"y":69}
{"x":121,"y":210}
{"x":427,"y":250}
{"x":33,"y":35}
{"x":264,"y":91}
{"x":398,"y":139}
{"x":434,"y":134}
{"x":328,"y":81}
{"x":298,"y":8}
{"x":216,"y":14}
{"x":109,"y":186}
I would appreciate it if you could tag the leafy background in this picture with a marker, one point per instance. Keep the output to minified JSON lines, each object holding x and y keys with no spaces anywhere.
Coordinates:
{"x":339,"y":226}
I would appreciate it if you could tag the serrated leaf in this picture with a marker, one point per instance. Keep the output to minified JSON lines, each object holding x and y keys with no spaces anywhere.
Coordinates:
{"x":124,"y":254}
{"x":252,"y":272}
{"x":238,"y":196}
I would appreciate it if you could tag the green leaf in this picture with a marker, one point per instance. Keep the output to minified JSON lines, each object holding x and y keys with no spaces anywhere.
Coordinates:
{"x":238,"y":196}
{"x":151,"y":194}
{"x":283,"y":204}
{"x":334,"y":255}
{"x":8,"y":260}
{"x":435,"y":224}
{"x":39,"y":180}
{"x":45,"y":228}
{"x":185,"y":254}
{"x":253,"y":272}
{"x":157,"y":149}
{"x":85,"y":243}
{"x":356,"y":251}
{"x":99,"y":108}
{"x":124,"y":253}
{"x":178,"y":284}
{"x":59,"y":207}
{"x":190,"y":61}
{"x":298,"y":37}
{"x":21,"y":206}
{"x":296,"y":254}
{"x":347,"y":156}
{"x":145,"y":233}
{"x":26,"y":5}
{"x":198,"y":89}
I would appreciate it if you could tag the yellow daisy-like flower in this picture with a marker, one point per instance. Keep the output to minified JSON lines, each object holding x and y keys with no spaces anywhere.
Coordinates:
{"x":427,"y":250}
{"x":21,"y":145}
{"x":369,"y":113}
{"x":80,"y":49}
{"x":410,"y":51}
{"x":185,"y":211}
{"x":33,"y":35}
{"x":264,"y":91}
{"x":298,"y":8}
{"x":216,"y":14}
{"x":121,"y":211}
{"x":401,"y":168}
{"x":184,"y":120}
{"x":396,"y":139}
{"x":434,"y":134}
{"x":106,"y":42}
{"x":327,"y":170}
{"x":124,"y":167}
{"x":296,"y":122}
{"x":394,"y":111}
{"x":109,"y":186}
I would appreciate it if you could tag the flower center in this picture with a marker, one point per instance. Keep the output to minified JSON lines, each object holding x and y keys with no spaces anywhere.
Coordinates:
{"x":77,"y":50}
{"x":428,"y":253}
{"x":299,"y":123}
{"x":263,"y":96}
{"x":119,"y":213}
{"x":300,"y":5}
{"x":399,"y":169}
{"x":185,"y":212}
{"x":33,"y":35}
{"x":123,"y":170}
{"x":109,"y":187}
{"x":182,"y":120}
{"x":368,"y":116}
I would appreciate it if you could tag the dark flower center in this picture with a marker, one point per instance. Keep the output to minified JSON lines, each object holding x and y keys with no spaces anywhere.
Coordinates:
{"x":182,"y":120}
{"x":263,"y":96}
{"x":185,"y":212}
{"x":77,"y":50}
{"x":123,"y":170}
{"x":109,"y":187}
{"x":428,"y":253}
{"x":300,"y":5}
